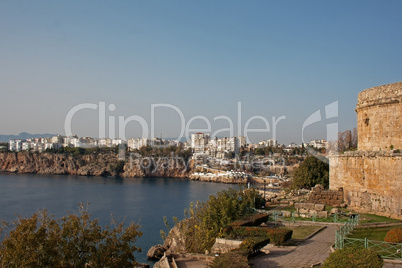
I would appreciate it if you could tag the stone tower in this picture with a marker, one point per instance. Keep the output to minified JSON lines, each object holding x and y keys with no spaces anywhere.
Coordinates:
{"x":379,"y":114}
{"x":372,"y":176}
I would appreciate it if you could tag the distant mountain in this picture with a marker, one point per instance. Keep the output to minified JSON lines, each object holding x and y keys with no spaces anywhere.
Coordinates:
{"x":24,"y":135}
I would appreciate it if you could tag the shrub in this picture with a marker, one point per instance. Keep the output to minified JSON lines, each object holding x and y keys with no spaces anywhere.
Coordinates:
{"x":209,"y":219}
{"x":233,"y":259}
{"x":354,"y":258}
{"x":251,"y":220}
{"x":394,"y":236}
{"x":280,"y":236}
{"x":276,"y":235}
{"x":254,"y":243}
{"x":72,"y":241}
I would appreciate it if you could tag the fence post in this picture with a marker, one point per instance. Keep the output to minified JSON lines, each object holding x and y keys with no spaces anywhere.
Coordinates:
{"x":342,"y":241}
{"x":336,"y":240}
{"x":293,"y":216}
{"x":365,"y":242}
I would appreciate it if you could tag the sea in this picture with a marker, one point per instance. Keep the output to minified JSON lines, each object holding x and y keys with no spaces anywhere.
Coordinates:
{"x":144,"y":201}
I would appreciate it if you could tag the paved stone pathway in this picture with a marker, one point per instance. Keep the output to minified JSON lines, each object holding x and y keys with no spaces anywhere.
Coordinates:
{"x":313,"y":251}
{"x":392,"y":265}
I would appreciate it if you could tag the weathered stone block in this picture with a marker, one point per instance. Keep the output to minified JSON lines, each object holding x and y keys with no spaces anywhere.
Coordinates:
{"x":286,"y":214}
{"x":309,"y":206}
{"x":319,"y":207}
{"x":299,"y":205}
{"x":303,"y":211}
{"x":322,"y":214}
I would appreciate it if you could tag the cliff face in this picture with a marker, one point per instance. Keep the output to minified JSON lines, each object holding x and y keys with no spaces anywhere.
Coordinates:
{"x":90,"y":165}
{"x":157,"y":167}
{"x":48,"y":163}
{"x":104,"y":165}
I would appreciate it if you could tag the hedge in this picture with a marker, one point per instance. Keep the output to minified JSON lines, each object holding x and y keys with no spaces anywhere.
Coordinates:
{"x":276,"y":235}
{"x":251,"y":220}
{"x":254,"y":243}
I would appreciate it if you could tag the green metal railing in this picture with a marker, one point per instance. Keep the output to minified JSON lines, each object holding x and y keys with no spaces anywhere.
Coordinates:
{"x":384,"y":249}
{"x":341,"y":234}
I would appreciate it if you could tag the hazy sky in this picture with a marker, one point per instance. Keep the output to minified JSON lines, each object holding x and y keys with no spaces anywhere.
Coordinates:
{"x":277,"y":58}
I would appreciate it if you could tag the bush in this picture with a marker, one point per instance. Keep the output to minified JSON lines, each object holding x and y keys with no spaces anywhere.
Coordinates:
{"x":72,"y":241}
{"x":251,"y":220}
{"x":276,"y":235}
{"x":394,"y":236}
{"x":232,"y":259}
{"x":253,"y":244}
{"x":210,"y":218}
{"x":354,"y":258}
{"x":280,"y":236}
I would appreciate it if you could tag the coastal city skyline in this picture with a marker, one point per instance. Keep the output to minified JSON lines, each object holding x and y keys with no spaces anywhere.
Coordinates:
{"x":277,"y":59}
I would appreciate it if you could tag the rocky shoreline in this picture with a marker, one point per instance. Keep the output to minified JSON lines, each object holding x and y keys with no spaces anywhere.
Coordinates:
{"x":104,"y":165}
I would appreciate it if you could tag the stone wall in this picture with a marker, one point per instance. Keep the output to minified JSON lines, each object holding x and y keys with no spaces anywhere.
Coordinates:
{"x":371,"y":181}
{"x":379,"y":113}
{"x":332,"y":198}
{"x":222,"y":245}
{"x":371,"y":178}
{"x":308,"y":210}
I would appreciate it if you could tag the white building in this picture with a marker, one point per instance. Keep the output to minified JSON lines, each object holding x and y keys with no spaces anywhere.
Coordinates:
{"x":135,"y":144}
{"x":15,"y":145}
{"x":318,"y":144}
{"x":199,"y":142}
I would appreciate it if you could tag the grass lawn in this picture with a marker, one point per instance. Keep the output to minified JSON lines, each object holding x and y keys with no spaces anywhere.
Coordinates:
{"x":329,"y":219}
{"x":302,"y":232}
{"x":377,"y":233}
{"x":368,"y":218}
{"x":288,"y":208}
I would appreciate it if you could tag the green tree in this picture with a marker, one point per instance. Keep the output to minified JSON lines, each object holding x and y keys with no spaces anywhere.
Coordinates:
{"x":72,"y":241}
{"x":311,"y":172}
{"x":207,"y":220}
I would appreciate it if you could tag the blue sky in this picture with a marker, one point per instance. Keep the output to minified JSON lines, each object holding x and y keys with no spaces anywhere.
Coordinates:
{"x":278,"y":58}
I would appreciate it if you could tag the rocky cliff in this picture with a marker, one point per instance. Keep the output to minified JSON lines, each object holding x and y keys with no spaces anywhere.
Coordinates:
{"x":105,"y":165}
{"x":157,"y":167}
{"x":90,"y":165}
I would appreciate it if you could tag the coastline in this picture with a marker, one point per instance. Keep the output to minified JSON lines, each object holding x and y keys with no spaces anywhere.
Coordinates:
{"x":107,"y":165}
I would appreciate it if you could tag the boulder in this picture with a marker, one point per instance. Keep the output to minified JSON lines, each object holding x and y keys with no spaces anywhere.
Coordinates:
{"x":286,"y":214}
{"x":317,"y":188}
{"x":156,"y":252}
{"x":319,"y":207}
{"x":176,"y":239}
{"x":334,"y":211}
{"x":303,"y":211}
{"x":322,"y":214}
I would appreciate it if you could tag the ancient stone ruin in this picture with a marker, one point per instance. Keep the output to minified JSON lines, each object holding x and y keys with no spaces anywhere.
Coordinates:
{"x":332,"y":198}
{"x":371,"y":177}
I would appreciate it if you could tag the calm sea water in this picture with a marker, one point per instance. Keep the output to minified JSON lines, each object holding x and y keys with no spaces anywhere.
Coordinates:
{"x":144,"y":201}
